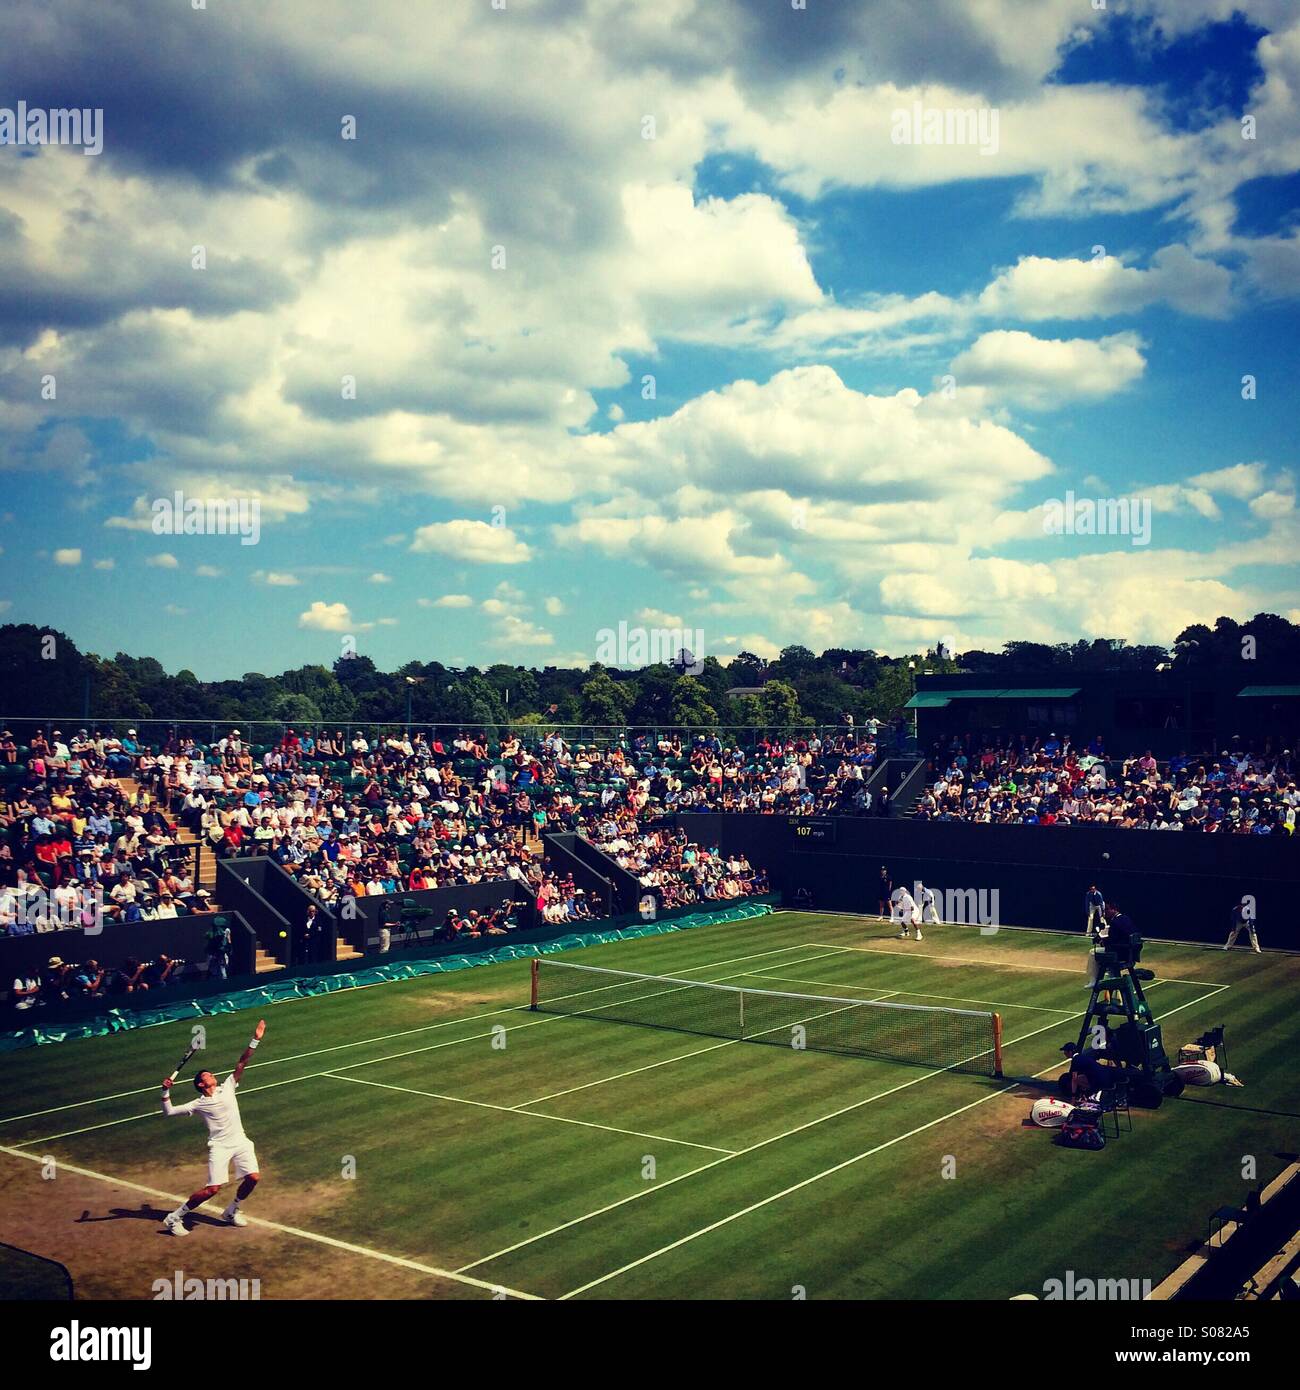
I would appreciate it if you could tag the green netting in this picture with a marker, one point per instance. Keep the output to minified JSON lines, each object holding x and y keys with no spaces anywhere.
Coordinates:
{"x":304,"y":987}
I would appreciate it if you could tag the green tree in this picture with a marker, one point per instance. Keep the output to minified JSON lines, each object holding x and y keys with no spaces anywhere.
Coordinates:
{"x":41,"y":672}
{"x":690,"y":703}
{"x":607,"y":701}
{"x":892,"y":690}
{"x":295,"y":709}
{"x":795,"y":662}
{"x":779,"y":703}
{"x":747,"y":669}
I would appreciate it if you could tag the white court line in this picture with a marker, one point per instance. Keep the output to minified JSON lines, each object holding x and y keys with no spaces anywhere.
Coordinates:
{"x":336,"y":1244}
{"x":533,"y":1114}
{"x":1157,"y":941}
{"x":398,"y":1056}
{"x":364,"y":1042}
{"x":911,"y":993}
{"x":682,"y":1056}
{"x":838,"y":1167}
{"x":998,"y":964}
{"x":762,"y":1144}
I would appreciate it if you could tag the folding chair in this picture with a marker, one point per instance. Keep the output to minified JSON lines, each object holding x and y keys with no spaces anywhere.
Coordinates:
{"x":1114,"y":1103}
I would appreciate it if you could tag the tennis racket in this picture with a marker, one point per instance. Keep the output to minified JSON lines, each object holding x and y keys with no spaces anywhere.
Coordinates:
{"x":182,"y":1062}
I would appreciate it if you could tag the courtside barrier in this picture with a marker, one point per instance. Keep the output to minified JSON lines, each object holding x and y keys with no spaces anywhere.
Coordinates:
{"x":304,"y":987}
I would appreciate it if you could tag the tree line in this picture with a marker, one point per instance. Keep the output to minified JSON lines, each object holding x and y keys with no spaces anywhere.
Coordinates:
{"x":43,"y":674}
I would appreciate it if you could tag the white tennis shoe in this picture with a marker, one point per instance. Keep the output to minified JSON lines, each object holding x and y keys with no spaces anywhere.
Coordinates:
{"x":175,"y":1225}
{"x":235,"y":1218}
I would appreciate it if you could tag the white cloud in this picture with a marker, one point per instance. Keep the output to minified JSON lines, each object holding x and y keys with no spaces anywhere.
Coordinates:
{"x":105,"y":564}
{"x":1242,"y":480}
{"x":554,"y":606}
{"x":275,"y":579}
{"x":1038,"y":288}
{"x":512,"y":632}
{"x":1047,"y":373}
{"x":447,"y":601}
{"x":1272,"y":505}
{"x":208,"y":572}
{"x":327,"y":617}
{"x":378,"y":578}
{"x":473,"y":542}
{"x":804,"y":429}
{"x":70,"y":556}
{"x":164,"y":560}
{"x":656,"y":617}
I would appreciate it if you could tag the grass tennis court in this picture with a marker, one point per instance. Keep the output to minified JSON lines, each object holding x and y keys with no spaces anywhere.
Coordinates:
{"x":554,"y":1156}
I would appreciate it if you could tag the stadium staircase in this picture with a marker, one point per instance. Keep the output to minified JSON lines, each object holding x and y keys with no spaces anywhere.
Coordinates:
{"x":265,"y":963}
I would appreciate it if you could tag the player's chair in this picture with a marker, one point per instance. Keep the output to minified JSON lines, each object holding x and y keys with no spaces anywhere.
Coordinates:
{"x":1115,"y":1106}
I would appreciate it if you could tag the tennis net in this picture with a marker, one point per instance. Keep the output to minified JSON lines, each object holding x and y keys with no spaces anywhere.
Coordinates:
{"x":923,"y":1034}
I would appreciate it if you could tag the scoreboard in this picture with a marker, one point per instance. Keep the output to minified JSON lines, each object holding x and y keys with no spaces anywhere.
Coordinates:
{"x":806,"y":833}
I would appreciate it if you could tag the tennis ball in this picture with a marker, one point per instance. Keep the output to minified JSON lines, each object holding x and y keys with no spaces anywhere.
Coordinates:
{"x":283,"y":934}
{"x":1105,"y":854}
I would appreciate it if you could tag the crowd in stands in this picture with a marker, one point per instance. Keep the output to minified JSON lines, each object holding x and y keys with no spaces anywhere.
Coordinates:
{"x":1025,"y":781}
{"x":367,"y":815}
{"x":346,"y":816}
{"x":76,"y":850}
{"x":667,"y":861}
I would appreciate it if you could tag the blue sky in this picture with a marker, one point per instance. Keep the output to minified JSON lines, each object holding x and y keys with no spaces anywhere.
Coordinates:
{"x":873,"y":361}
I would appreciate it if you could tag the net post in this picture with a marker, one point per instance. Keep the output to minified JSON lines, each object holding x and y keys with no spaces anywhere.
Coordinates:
{"x":997,"y":1046}
{"x":532,"y":993}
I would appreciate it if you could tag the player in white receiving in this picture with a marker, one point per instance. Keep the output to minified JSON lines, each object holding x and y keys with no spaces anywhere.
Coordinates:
{"x":219,"y":1110}
{"x":905,"y":912}
{"x":926,"y":902}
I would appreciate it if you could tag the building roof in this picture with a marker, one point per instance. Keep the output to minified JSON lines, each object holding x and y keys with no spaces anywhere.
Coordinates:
{"x":939,"y":699}
{"x":1268,"y":692}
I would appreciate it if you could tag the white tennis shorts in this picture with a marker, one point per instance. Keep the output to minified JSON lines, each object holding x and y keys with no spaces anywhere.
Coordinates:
{"x":220,"y":1156}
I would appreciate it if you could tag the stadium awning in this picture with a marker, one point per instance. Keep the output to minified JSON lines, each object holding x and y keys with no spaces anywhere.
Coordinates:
{"x":939,"y":699}
{"x":1061,"y":693}
{"x":1268,"y":692}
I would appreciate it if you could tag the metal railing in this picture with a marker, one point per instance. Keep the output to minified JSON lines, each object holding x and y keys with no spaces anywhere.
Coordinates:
{"x":205,"y":732}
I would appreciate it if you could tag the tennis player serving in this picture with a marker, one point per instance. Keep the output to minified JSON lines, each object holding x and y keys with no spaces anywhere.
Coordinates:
{"x":219,"y":1110}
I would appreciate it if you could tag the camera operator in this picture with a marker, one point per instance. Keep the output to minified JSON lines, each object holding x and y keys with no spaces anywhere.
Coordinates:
{"x":158,"y":974}
{"x":88,"y":980}
{"x":56,"y":985}
{"x":129,"y":979}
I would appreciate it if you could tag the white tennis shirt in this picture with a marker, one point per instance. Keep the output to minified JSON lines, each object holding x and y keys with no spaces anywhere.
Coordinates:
{"x":219,"y":1111}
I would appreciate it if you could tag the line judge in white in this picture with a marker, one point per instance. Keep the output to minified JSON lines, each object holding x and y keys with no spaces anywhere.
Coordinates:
{"x":219,"y":1110}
